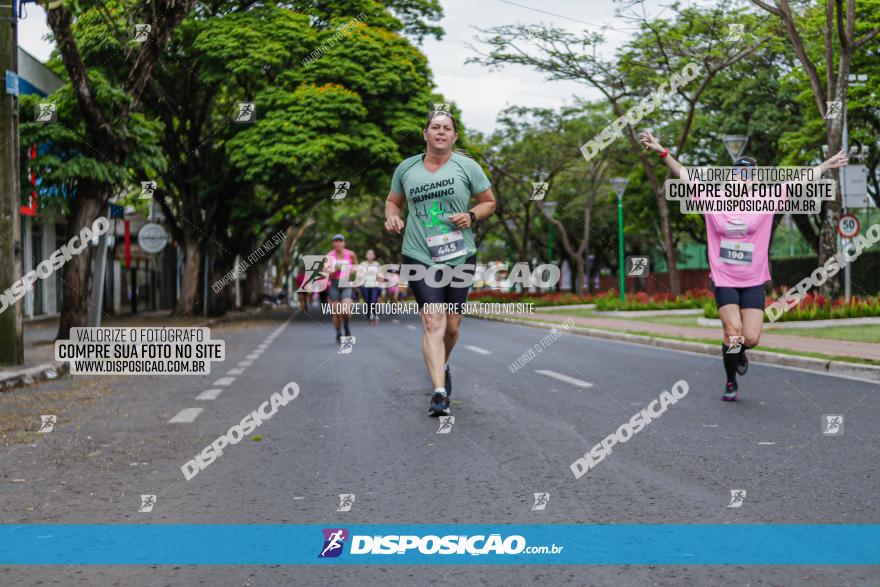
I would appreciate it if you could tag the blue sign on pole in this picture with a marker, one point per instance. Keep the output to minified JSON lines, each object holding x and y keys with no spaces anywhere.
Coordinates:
{"x":117,"y":211}
{"x":11,"y":82}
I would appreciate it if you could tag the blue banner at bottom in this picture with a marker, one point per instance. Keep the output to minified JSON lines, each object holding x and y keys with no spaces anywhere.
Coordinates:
{"x":386,"y":544}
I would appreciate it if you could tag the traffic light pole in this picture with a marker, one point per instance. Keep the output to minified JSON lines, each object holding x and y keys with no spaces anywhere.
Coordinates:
{"x":11,"y":335}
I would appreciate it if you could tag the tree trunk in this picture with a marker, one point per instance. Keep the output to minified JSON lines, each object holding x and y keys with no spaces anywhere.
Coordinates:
{"x":85,"y":207}
{"x":579,"y":275}
{"x":253,"y":292}
{"x":830,"y":214}
{"x":189,"y":282}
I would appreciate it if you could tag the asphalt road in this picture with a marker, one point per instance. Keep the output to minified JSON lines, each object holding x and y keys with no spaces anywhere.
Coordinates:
{"x":360,"y":426}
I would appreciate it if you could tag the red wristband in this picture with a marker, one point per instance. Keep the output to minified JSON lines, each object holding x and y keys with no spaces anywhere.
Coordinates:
{"x":664,"y":153}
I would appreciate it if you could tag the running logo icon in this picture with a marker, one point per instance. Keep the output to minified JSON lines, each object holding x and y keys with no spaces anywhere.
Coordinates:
{"x":346,"y":344}
{"x":314,"y":266}
{"x":636,"y":266}
{"x":334,"y":541}
{"x":446,"y":423}
{"x":539,"y":190}
{"x":141,"y":32}
{"x":735,"y":33}
{"x":439,"y":107}
{"x":734,"y":343}
{"x":247,"y":112}
{"x":346,"y":500}
{"x":47,"y":423}
{"x":832,"y":424}
{"x":46,"y":112}
{"x":541,"y":501}
{"x":147,"y":503}
{"x":147,"y":189}
{"x":737,"y":496}
{"x":832,"y":109}
{"x":340,"y":188}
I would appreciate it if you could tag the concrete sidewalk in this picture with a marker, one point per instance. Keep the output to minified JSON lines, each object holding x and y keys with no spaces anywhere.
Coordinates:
{"x":39,"y":342}
{"x":842,"y":348}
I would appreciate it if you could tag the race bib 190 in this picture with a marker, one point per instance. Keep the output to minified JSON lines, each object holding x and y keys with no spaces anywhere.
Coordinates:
{"x":736,"y":253}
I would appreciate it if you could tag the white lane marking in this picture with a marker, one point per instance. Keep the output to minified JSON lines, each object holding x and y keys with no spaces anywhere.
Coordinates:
{"x":411,"y":327}
{"x":245,"y":363}
{"x":299,"y":497}
{"x":565,"y":378}
{"x":477,"y":349}
{"x":237,"y":371}
{"x":209,"y":394}
{"x":253,"y":356}
{"x":767,"y":443}
{"x":224,"y":381}
{"x":710,"y":425}
{"x":185,"y":415}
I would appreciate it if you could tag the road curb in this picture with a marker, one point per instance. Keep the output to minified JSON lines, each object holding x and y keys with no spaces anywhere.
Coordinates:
{"x":855,"y":370}
{"x":55,"y":369}
{"x":44,"y":371}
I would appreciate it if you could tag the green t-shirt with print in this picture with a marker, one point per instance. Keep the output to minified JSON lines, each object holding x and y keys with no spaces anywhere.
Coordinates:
{"x":431,"y":198}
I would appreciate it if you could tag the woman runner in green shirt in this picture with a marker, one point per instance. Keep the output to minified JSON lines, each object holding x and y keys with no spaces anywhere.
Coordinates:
{"x":437,"y":186}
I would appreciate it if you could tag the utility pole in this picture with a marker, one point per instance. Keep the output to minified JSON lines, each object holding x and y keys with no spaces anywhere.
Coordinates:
{"x":11,"y":335}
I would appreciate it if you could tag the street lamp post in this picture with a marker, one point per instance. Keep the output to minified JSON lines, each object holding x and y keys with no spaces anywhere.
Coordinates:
{"x":619,"y":185}
{"x":736,"y":145}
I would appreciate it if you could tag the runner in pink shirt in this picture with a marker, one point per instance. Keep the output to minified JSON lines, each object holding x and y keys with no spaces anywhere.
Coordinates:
{"x":339,"y":263}
{"x":739,"y":263}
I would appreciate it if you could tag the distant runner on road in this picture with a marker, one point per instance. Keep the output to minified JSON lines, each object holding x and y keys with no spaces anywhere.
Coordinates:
{"x":437,"y":186}
{"x":739,"y":279}
{"x":371,"y":288}
{"x":339,"y":263}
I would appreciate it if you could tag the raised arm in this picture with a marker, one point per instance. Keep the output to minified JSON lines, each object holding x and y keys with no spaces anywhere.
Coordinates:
{"x":650,"y":142}
{"x":841,"y":159}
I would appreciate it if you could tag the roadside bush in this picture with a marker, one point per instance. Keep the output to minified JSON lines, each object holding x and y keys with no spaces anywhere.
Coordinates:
{"x":538,"y":299}
{"x":817,"y":307}
{"x":692,"y":299}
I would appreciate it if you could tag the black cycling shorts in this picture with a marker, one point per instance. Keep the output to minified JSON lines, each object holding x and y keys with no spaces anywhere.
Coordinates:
{"x":427,"y":293}
{"x":744,"y":297}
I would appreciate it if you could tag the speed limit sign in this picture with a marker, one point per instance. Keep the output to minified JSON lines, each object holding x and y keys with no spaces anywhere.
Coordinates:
{"x":848,"y":226}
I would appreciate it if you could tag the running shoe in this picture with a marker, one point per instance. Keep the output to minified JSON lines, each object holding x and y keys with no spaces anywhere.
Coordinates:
{"x":439,"y":404}
{"x":338,"y":338}
{"x":743,"y":366}
{"x":730,"y":389}
{"x":448,"y":383}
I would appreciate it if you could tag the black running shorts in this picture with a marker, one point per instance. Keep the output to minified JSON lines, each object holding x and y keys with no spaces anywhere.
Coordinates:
{"x":744,"y":297}
{"x":427,"y":293}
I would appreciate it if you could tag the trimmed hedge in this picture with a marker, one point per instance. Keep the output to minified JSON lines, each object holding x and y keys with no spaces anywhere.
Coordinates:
{"x":865,"y":272}
{"x":538,"y":299}
{"x":817,"y":307}
{"x":692,"y":299}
